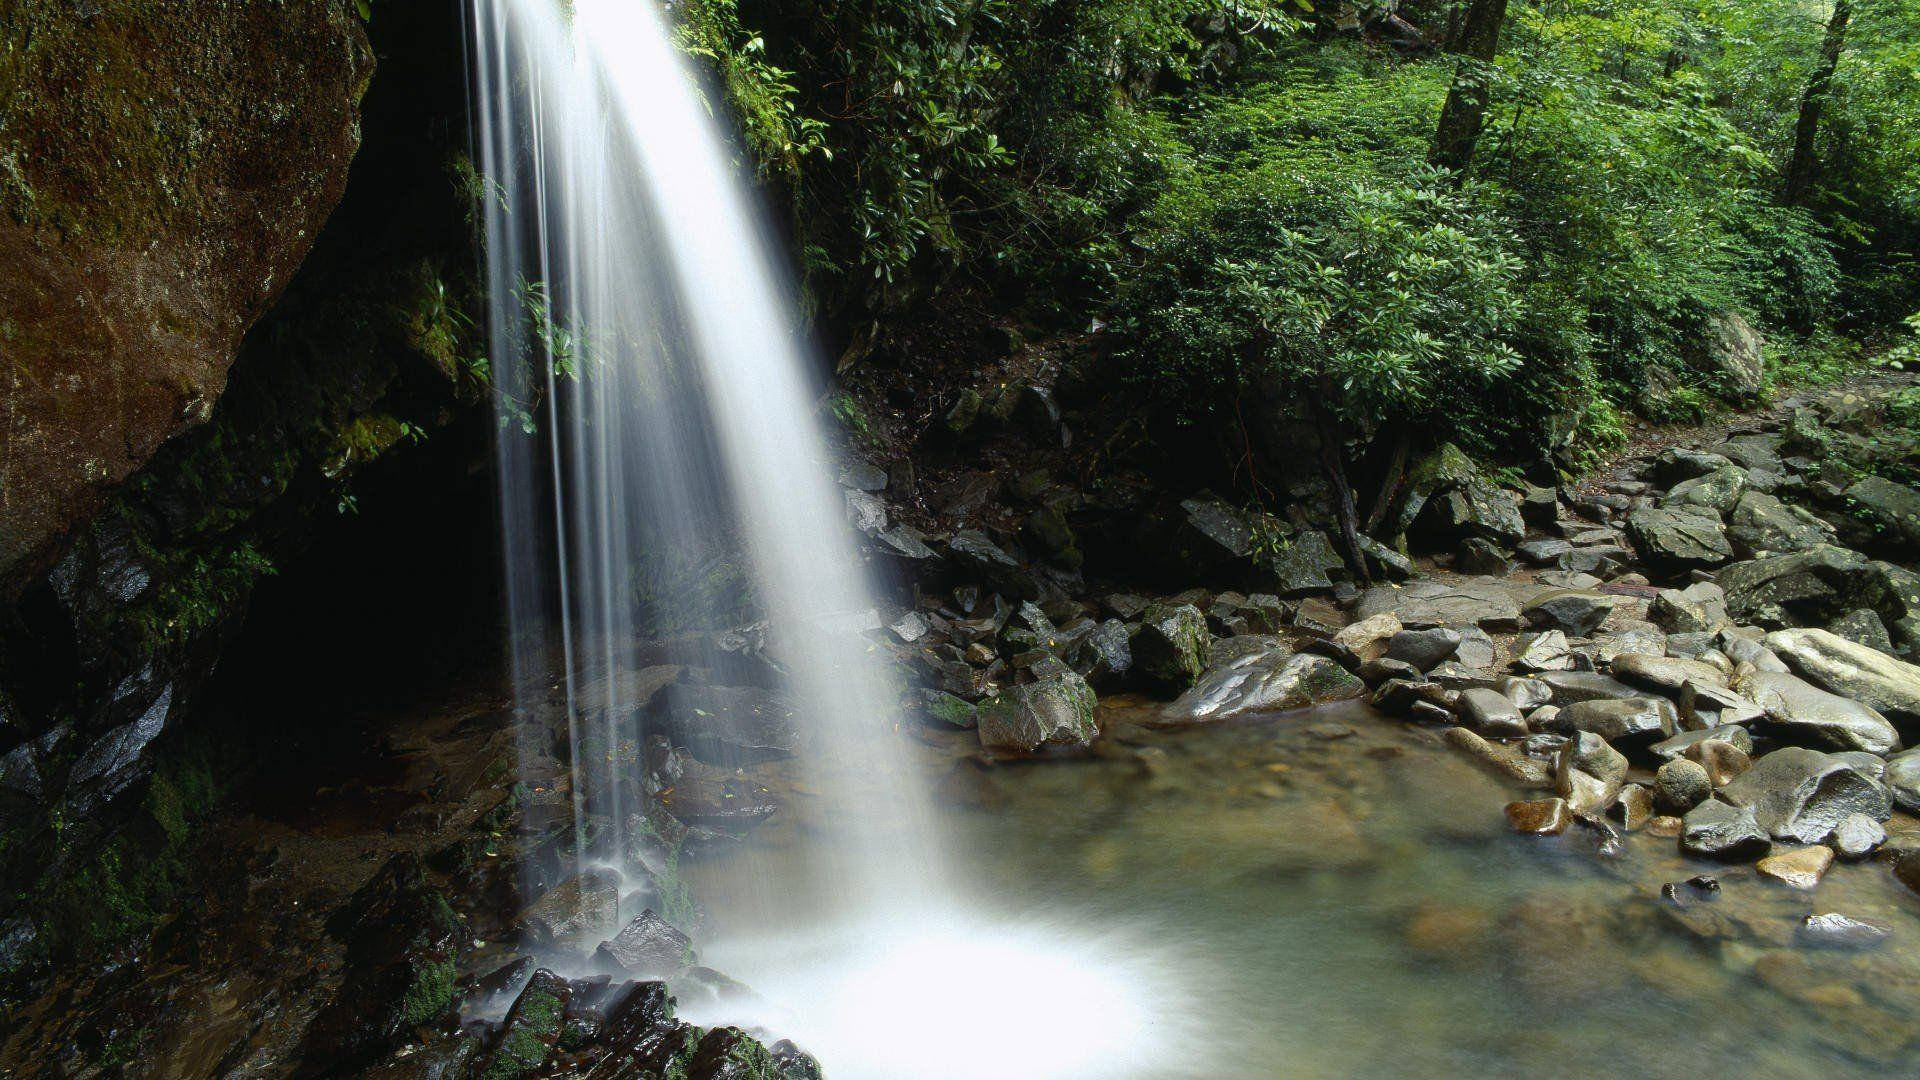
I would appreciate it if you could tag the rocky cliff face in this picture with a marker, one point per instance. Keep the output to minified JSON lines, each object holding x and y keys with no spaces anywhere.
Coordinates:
{"x":164,"y":167}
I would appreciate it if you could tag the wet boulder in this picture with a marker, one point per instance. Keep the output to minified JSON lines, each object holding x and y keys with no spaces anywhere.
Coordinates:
{"x":532,"y":1028}
{"x":1851,"y":670}
{"x":400,"y":937}
{"x":1680,"y":785}
{"x":648,"y":946}
{"x":1629,"y":721}
{"x":728,"y":726}
{"x":1368,"y":639}
{"x":1169,"y":646}
{"x":1800,"y":708}
{"x":1802,"y":795}
{"x":1490,"y":713}
{"x":1055,"y":712}
{"x":575,"y":913}
{"x":1665,"y":674}
{"x":1902,"y":777}
{"x":1265,"y":682}
{"x":1571,"y":687}
{"x":1718,"y":830}
{"x":1304,"y":563}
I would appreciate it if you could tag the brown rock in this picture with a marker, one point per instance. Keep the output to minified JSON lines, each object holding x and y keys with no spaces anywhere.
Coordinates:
{"x":167,"y":174}
{"x":1539,"y":817}
{"x":1800,"y":868}
{"x":1722,"y":760}
{"x":1664,"y":825}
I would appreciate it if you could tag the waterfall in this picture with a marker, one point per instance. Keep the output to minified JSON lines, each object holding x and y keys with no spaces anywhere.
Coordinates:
{"x":657,"y":410}
{"x":639,"y":318}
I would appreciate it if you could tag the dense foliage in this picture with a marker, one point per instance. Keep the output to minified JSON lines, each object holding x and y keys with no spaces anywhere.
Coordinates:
{"x":1242,"y":191}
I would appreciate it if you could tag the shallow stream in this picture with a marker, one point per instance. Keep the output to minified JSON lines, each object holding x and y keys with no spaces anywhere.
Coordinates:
{"x":1322,"y":893}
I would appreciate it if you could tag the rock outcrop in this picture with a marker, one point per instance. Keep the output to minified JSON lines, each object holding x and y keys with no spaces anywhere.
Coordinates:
{"x":167,"y":169}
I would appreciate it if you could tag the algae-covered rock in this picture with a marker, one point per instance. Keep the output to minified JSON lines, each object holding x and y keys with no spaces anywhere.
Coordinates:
{"x":1170,"y":646}
{"x":166,"y":167}
{"x":1053,"y":713}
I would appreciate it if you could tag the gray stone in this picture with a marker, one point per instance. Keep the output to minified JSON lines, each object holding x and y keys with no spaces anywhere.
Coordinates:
{"x":1570,"y":687}
{"x":1543,"y":552}
{"x":1716,"y":830}
{"x":1676,"y":539}
{"x":1832,"y":930}
{"x":1546,"y":651}
{"x":1761,"y":525}
{"x":1712,"y":705}
{"x":982,"y":558}
{"x":1891,"y":510}
{"x":1527,"y":694}
{"x":1804,"y":709}
{"x":576,"y":913}
{"x":1802,"y":795}
{"x":1863,"y":626}
{"x":649,"y":946}
{"x":1479,"y":555}
{"x":1902,"y":777}
{"x":1169,"y":647}
{"x":1422,"y":604}
{"x":1305,"y":564}
{"x":1716,"y":491}
{"x":1852,"y":670}
{"x":1594,"y":756}
{"x":1857,"y":836}
{"x":1268,"y":682}
{"x":1490,"y":713}
{"x":1575,"y":613}
{"x":1796,"y":589}
{"x":1665,"y":674}
{"x":1107,"y":653}
{"x":1055,"y":712}
{"x":1680,"y":785}
{"x":1630,"y":721}
{"x":1747,"y":650}
{"x":1729,"y":345}
{"x":1424,"y":649}
{"x":1668,"y":749}
{"x":1700,"y":607}
{"x":1476,"y":649}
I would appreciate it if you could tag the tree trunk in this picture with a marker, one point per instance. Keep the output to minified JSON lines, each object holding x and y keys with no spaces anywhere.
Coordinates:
{"x":1466,"y":106}
{"x":1333,"y":464}
{"x":1800,"y":167}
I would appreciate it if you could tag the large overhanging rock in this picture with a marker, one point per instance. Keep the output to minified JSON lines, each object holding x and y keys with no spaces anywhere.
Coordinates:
{"x":1852,"y":670}
{"x":1802,"y":795}
{"x":1800,"y":707}
{"x":165,"y":170}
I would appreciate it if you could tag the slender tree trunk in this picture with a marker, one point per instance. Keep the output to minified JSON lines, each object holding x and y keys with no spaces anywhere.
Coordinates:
{"x":1466,"y":106}
{"x":1332,"y":463}
{"x":1800,"y":167}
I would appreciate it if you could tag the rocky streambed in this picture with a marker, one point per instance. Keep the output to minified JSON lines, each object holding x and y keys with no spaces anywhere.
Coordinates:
{"x":1608,"y":776}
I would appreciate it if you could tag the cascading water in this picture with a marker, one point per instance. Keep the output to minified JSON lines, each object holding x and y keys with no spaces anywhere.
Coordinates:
{"x":656,"y":416}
